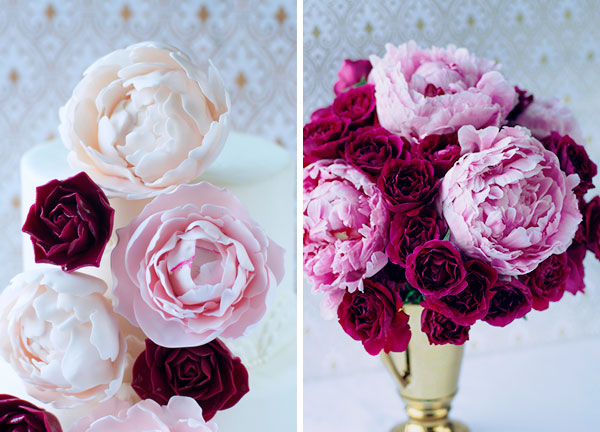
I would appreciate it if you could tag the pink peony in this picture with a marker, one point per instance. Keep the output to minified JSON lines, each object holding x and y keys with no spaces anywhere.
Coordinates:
{"x":194,"y":266}
{"x":544,"y":116}
{"x":509,"y":203}
{"x":345,"y":229}
{"x":436,"y":91}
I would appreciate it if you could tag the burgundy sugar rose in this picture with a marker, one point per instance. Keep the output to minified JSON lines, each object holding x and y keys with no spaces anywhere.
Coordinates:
{"x":17,"y":415}
{"x":524,"y":100}
{"x":511,"y":300}
{"x":208,"y":373}
{"x":321,"y":112}
{"x":591,"y":219}
{"x":370,"y":147}
{"x":70,"y":223}
{"x":441,"y":330}
{"x":441,"y":150}
{"x":351,"y":73}
{"x":357,"y":105}
{"x":575,"y":255}
{"x":548,"y":281}
{"x":408,"y":232}
{"x":323,"y":138}
{"x":373,"y":316}
{"x":573,"y":159}
{"x":472,"y":303}
{"x":407,"y":186}
{"x":436,"y":269}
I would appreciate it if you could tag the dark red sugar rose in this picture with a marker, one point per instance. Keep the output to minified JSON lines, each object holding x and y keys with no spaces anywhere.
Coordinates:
{"x":208,"y":373}
{"x":575,"y":255}
{"x":351,"y":73}
{"x":70,"y":223}
{"x":17,"y":415}
{"x":441,"y":150}
{"x":369,"y":148}
{"x":407,"y":185}
{"x":591,"y":219}
{"x":374,"y":317}
{"x":436,"y":269}
{"x":357,"y":105}
{"x":548,"y":281}
{"x":473,"y":302}
{"x":323,"y":138}
{"x":511,"y":300}
{"x":441,"y":330}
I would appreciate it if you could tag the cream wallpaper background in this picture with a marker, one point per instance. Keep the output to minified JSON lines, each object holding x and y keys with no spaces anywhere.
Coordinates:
{"x":551,"y":48}
{"x":47,"y":44}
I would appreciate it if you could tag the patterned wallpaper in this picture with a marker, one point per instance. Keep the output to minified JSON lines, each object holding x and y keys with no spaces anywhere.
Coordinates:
{"x":551,"y":48}
{"x":47,"y":44}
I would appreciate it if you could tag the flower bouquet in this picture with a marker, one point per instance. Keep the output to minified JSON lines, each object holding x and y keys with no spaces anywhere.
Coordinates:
{"x":433,"y":181}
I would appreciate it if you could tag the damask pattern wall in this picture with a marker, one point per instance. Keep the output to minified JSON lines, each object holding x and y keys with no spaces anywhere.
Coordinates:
{"x":46,"y":45}
{"x":551,"y":48}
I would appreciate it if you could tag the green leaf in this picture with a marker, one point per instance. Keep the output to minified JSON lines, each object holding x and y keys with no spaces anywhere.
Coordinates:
{"x":447,"y":236}
{"x":412,"y":295}
{"x":362,"y":82}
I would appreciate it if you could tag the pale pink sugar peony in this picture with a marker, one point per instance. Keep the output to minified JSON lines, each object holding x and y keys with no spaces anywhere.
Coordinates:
{"x":345,"y":230}
{"x":544,"y":116}
{"x":181,"y":414}
{"x":194,"y":266}
{"x":508,"y":203}
{"x":424,"y":92}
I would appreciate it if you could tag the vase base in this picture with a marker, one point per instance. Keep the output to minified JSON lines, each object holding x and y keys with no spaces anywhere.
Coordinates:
{"x":445,"y":426}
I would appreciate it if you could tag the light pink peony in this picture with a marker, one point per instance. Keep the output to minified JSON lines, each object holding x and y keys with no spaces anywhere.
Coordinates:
{"x":423,"y":92}
{"x":509,"y":203}
{"x":543,"y":116}
{"x":345,"y":230}
{"x":182,"y":414}
{"x":194,"y":266}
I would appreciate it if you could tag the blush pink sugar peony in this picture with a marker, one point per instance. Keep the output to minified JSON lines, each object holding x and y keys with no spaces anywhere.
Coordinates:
{"x":194,"y":266}
{"x":508,"y":203}
{"x":544,"y":116}
{"x":345,"y":230}
{"x":422,"y":92}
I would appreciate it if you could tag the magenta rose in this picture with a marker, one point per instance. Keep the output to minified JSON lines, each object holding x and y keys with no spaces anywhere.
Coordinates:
{"x":511,"y":300}
{"x":323,"y":138}
{"x":345,"y":230}
{"x":209,"y":374}
{"x":592,"y":225}
{"x":573,"y":159}
{"x":472,"y":303}
{"x":575,"y":255}
{"x":351,"y":73}
{"x":407,"y":185}
{"x":356,"y":105}
{"x":374,"y":317}
{"x":70,"y":223}
{"x":544,"y":116}
{"x":548,"y":281}
{"x":408,"y":232}
{"x":524,"y":99}
{"x":435,"y":91}
{"x":370,"y":147}
{"x":441,"y":330}
{"x":17,"y":415}
{"x":436,"y":269}
{"x":508,"y":203}
{"x":441,"y":150}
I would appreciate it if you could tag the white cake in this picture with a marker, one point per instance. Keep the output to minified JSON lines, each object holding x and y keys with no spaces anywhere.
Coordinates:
{"x":263,"y":176}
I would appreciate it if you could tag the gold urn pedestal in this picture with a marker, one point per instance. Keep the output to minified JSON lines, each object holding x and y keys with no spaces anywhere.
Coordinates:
{"x":427,"y":379}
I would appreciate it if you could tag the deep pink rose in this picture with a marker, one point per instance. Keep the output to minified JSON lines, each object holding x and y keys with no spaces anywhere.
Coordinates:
{"x":436,"y":269}
{"x":524,"y":99}
{"x":209,"y":374}
{"x":441,"y":150}
{"x":548,"y":281}
{"x":345,"y":229}
{"x":356,"y":105}
{"x":323,"y":138}
{"x":511,"y":300}
{"x":351,"y":73}
{"x":407,"y":185}
{"x":508,"y":203}
{"x":194,"y":266}
{"x":370,"y":147}
{"x":442,"y":330}
{"x":573,"y":159}
{"x":17,"y":415}
{"x":575,"y":255}
{"x":592,"y":225}
{"x":435,"y":91}
{"x":321,"y":112}
{"x":544,"y":116}
{"x":408,"y":232}
{"x":70,"y":223}
{"x":374,"y":317}
{"x":472,"y":303}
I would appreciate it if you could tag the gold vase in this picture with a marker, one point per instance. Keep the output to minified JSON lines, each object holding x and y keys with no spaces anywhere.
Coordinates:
{"x":427,"y":379}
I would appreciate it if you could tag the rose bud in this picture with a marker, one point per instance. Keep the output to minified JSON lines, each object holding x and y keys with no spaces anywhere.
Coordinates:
{"x":351,"y":73}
